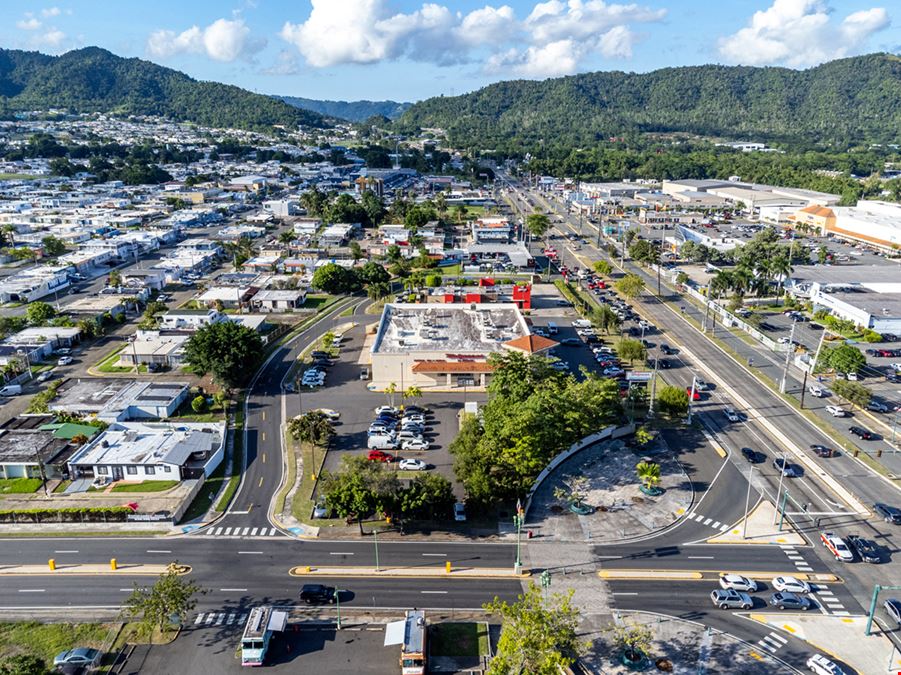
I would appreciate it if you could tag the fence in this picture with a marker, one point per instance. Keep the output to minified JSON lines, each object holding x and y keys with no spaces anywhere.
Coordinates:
{"x":606,"y":434}
{"x":186,"y":502}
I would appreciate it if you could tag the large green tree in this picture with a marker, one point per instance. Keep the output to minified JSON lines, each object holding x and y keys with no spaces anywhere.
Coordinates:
{"x":172,"y":595}
{"x":672,"y":400}
{"x":228,"y":350}
{"x":538,"y":636}
{"x":312,"y":427}
{"x":631,"y":285}
{"x":333,"y":278}
{"x":843,"y":358}
{"x":38,"y":313}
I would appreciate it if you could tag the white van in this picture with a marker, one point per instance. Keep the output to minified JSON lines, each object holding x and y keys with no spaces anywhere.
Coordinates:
{"x":552,"y":328}
{"x":581,"y":323}
{"x":381,"y":443}
{"x":11,"y":390}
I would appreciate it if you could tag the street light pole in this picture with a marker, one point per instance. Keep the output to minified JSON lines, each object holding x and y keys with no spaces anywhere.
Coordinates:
{"x":788,"y":353}
{"x":779,"y":489}
{"x":518,"y":518}
{"x":782,"y":508}
{"x":691,"y":396}
{"x":338,"y":605}
{"x":375,"y":534}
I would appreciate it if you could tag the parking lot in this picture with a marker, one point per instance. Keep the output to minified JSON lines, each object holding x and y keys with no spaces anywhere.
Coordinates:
{"x":347,"y":394}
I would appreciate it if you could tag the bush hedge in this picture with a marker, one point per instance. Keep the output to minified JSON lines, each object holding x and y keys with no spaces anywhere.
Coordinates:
{"x":91,"y":514}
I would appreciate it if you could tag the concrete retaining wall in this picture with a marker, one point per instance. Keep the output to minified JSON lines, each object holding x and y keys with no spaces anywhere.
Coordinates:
{"x":609,"y":433}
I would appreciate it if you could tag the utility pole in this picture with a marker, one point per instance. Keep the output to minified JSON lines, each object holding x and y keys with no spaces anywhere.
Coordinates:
{"x":518,"y":519}
{"x":653,"y":387}
{"x":706,"y":308}
{"x":744,"y":531}
{"x":691,"y":396}
{"x":788,"y":354}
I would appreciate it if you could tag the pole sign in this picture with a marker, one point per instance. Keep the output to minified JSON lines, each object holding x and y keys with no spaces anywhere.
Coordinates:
{"x":639,"y":376}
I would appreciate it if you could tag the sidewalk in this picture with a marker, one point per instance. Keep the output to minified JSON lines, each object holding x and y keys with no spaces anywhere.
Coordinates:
{"x":761,"y":530}
{"x":840,"y":638}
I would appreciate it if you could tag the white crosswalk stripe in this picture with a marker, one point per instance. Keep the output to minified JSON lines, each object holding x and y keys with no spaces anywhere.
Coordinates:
{"x":772,"y":642}
{"x":216,"y":531}
{"x":716,"y":525}
{"x":246,"y":530}
{"x":273,"y":531}
{"x":708,"y":521}
{"x":241,"y":532}
{"x":724,"y":528}
{"x":220,"y":618}
{"x":228,"y":531}
{"x":253,"y":532}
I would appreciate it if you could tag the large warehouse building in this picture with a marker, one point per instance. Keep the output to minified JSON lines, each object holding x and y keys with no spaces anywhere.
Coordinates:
{"x":871,"y":222}
{"x":438,"y":346}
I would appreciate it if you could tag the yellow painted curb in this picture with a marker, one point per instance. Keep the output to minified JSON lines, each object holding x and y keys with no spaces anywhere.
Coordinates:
{"x":651,"y":575}
{"x":393,"y":573}
{"x":90,"y":569}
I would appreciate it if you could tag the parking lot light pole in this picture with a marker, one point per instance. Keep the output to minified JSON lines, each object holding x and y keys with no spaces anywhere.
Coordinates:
{"x":782,"y":508}
{"x":338,"y":605}
{"x":744,"y":530}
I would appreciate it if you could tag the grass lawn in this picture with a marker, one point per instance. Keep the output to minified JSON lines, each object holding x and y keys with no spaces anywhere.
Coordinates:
{"x":348,"y":312}
{"x":17,"y":176}
{"x":146,"y":486}
{"x":319,"y":301}
{"x":450,"y":270}
{"x":19,"y":486}
{"x":107,"y":365}
{"x":458,"y":639}
{"x":46,"y":640}
{"x":379,"y":305}
{"x":186,"y":413}
{"x":63,"y":484}
{"x":302,"y":506}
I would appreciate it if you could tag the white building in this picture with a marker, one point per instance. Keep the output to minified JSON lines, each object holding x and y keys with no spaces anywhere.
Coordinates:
{"x":151,"y":451}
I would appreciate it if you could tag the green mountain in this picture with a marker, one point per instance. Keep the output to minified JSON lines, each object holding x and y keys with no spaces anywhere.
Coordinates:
{"x":93,"y":79}
{"x":838,"y":103}
{"x":353,"y":111}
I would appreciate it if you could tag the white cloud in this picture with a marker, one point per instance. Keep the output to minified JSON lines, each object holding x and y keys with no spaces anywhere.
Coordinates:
{"x":50,"y":41}
{"x":801,"y":33}
{"x":51,"y":11}
{"x":222,"y":40}
{"x":556,"y":36}
{"x":550,"y":60}
{"x":28,"y":23}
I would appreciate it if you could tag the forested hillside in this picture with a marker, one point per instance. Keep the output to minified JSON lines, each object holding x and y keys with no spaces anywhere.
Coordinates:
{"x":93,"y":79}
{"x":839,"y":104}
{"x":353,"y":111}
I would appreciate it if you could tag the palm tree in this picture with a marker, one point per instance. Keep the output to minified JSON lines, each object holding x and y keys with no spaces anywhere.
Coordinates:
{"x":412,"y":392}
{"x":389,"y":392}
{"x":648,"y":473}
{"x":606,"y":318}
{"x":378,"y":290}
{"x":741,"y":280}
{"x":721,"y":282}
{"x":286,"y":237}
{"x":781,"y":267}
{"x":8,"y":231}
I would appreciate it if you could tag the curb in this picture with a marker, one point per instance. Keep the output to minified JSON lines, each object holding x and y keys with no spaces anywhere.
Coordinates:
{"x":708,"y":575}
{"x":80,"y":569}
{"x":406,"y":573}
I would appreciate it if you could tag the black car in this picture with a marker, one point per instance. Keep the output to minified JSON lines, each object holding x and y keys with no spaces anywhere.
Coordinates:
{"x":317,"y":594}
{"x":822,"y":450}
{"x":319,"y":354}
{"x":753,"y":456}
{"x":861,"y":433}
{"x":889,"y":514}
{"x":666,"y":349}
{"x":865,"y":548}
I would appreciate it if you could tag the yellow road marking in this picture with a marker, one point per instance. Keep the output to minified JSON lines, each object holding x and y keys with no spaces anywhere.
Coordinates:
{"x":261,"y":482}
{"x":756,"y":656}
{"x":788,"y":628}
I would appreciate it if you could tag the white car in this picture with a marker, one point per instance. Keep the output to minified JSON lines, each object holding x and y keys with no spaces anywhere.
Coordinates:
{"x":791,"y":585}
{"x":820,"y":665}
{"x":413,"y":418}
{"x":737,"y":583}
{"x":731,"y":415}
{"x":385,"y":409}
{"x":414,"y":444}
{"x":852,"y":377}
{"x":647,"y":325}
{"x":837,"y":547}
{"x":64,"y":361}
{"x":613,"y":371}
{"x":46,"y":375}
{"x":814,"y":390}
{"x":460,"y":512}
{"x":412,"y":465}
{"x":333,"y":415}
{"x":836,"y":411}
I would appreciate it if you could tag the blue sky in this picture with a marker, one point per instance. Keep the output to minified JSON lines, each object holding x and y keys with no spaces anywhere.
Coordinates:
{"x":405,"y":50}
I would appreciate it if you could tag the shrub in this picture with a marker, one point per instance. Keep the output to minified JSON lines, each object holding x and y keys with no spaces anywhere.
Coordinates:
{"x":198,"y":404}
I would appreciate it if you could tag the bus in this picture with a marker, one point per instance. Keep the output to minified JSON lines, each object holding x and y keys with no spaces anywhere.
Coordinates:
{"x":413,"y":650}
{"x":262,"y":623}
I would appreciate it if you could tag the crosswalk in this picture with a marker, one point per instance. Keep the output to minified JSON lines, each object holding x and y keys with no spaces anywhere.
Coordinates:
{"x":772,"y":642}
{"x":239,"y":532}
{"x":213,"y":619}
{"x":708,"y":522}
{"x":829,"y":604}
{"x":796,"y":558}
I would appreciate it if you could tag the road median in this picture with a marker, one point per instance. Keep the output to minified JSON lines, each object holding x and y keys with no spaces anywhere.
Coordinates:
{"x":89,"y":569}
{"x":443,"y":572}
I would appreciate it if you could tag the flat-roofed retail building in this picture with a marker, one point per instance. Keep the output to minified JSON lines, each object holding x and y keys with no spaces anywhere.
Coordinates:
{"x":446,"y":346}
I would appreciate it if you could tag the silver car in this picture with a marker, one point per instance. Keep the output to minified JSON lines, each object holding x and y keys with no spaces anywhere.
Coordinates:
{"x":727,"y":598}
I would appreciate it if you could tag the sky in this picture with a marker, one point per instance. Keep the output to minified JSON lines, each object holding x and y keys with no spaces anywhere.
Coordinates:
{"x":407,"y":50}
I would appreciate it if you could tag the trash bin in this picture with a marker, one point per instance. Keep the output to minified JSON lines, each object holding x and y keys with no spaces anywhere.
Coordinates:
{"x":529,"y":534}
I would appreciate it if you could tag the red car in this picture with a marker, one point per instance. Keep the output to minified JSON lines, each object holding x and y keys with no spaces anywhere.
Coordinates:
{"x":379,"y":456}
{"x":696,"y":397}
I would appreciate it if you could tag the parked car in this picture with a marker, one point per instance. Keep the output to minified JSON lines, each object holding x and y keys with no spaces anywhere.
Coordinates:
{"x":787,"y":468}
{"x":890,"y":514}
{"x":787,"y":600}
{"x":46,"y":375}
{"x":737,"y":583}
{"x":570,"y":342}
{"x":861,"y":433}
{"x":877,"y":406}
{"x":379,"y":456}
{"x":64,"y":361}
{"x":317,"y":594}
{"x":836,"y":411}
{"x":460,"y":512}
{"x":791,"y":585}
{"x":80,"y":656}
{"x":820,"y":665}
{"x":320,"y":510}
{"x":412,"y":465}
{"x":866,"y":549}
{"x":415,"y":444}
{"x":333,"y":415}
{"x":817,"y":391}
{"x":727,"y":598}
{"x":386,"y":409}
{"x":893,"y":607}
